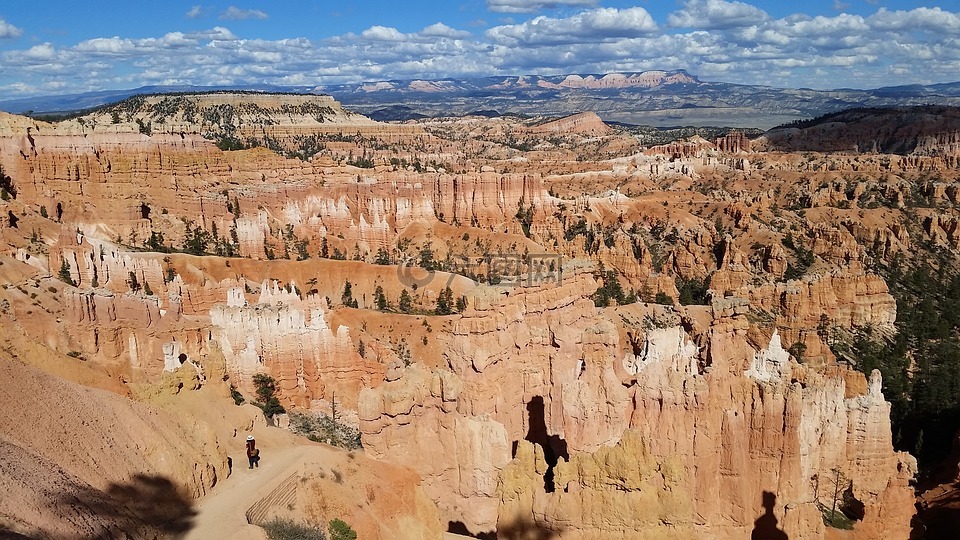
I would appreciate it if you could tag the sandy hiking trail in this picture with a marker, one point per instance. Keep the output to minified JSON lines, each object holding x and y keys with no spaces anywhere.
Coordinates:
{"x":222,"y":513}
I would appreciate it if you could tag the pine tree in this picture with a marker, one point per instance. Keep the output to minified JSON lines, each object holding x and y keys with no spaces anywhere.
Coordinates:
{"x":380,"y":298}
{"x":134,"y":282}
{"x":406,"y":302}
{"x":445,"y":302}
{"x":64,"y":273}
{"x":382,"y":258}
{"x":347,"y":297}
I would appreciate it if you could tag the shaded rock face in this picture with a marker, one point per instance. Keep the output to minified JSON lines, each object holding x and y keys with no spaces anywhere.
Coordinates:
{"x":89,"y":481}
{"x":920,"y":131}
{"x":656,"y":445}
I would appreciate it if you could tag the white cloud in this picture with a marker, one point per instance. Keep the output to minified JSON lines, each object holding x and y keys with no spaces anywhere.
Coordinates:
{"x":532,"y":6}
{"x":215,"y":33}
{"x":840,"y":6}
{"x":194,"y":12}
{"x":920,"y":19}
{"x":588,"y":26}
{"x":8,"y":30}
{"x":716,"y":14}
{"x":106,"y":46}
{"x":730,"y":43}
{"x":234,"y":13}
{"x":382,"y":33}
{"x":41,"y":53}
{"x":441,"y":30}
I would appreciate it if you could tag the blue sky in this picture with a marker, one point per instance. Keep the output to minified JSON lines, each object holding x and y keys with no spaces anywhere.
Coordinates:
{"x":60,"y":46}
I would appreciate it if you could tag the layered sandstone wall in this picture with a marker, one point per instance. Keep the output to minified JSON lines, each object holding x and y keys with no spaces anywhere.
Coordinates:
{"x":692,"y":435}
{"x":290,"y":339}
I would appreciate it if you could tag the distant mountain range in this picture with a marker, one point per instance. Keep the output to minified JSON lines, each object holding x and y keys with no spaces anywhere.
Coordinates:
{"x":657,"y":98}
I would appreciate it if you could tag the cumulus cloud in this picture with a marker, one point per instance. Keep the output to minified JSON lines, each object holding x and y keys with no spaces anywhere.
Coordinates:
{"x":8,"y":30}
{"x":532,"y":6}
{"x":923,"y":19}
{"x":234,"y":13}
{"x":728,"y":43}
{"x":716,"y":14}
{"x":441,"y":30}
{"x":382,"y":33}
{"x":588,"y":26}
{"x":194,"y":12}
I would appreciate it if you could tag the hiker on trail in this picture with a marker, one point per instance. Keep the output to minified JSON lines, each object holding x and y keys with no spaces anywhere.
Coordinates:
{"x":253,"y":453}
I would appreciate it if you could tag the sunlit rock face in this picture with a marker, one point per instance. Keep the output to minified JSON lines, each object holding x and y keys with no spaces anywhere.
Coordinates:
{"x":541,"y":418}
{"x":532,"y":405}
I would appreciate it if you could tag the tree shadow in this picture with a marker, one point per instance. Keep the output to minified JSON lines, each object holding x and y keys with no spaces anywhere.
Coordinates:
{"x":525,"y":530}
{"x":146,"y":506}
{"x":522,"y":529}
{"x":10,"y":535}
{"x":765,"y":527}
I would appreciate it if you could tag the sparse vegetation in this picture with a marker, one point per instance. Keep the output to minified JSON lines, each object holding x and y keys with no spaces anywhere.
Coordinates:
{"x":610,"y":289}
{"x":319,"y":427}
{"x":287,"y":529}
{"x":693,"y":291}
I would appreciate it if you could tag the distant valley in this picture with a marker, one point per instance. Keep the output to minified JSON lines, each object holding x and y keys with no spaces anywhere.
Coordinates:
{"x":655,"y":98}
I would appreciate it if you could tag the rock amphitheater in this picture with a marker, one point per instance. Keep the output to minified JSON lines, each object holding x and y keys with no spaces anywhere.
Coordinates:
{"x":540,"y":328}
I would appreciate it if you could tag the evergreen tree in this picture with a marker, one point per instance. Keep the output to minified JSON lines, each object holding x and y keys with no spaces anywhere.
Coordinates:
{"x":383,"y":257}
{"x":347,"y":297}
{"x":379,"y":298}
{"x":64,"y":273}
{"x":266,"y":394}
{"x":445,"y":302}
{"x":134,"y":282}
{"x":406,"y":302}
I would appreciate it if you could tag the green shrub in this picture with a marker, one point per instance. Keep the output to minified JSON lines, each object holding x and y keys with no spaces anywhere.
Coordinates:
{"x":663,"y":298}
{"x":287,"y":529}
{"x":339,"y":530}
{"x":236,"y":395}
{"x":322,"y":428}
{"x":405,"y":304}
{"x":836,"y":519}
{"x":693,"y":291}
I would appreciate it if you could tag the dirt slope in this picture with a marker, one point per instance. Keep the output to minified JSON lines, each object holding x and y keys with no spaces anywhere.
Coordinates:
{"x":78,"y":462}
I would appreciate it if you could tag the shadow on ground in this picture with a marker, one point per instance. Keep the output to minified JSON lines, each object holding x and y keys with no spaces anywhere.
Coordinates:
{"x":145,"y":507}
{"x":518,"y":530}
{"x":939,"y":519}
